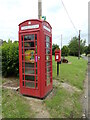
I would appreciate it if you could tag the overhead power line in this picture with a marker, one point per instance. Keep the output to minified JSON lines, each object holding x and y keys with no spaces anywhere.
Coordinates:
{"x":69,"y":17}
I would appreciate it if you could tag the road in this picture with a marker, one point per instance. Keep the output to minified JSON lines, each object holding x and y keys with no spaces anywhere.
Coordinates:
{"x":89,"y":88}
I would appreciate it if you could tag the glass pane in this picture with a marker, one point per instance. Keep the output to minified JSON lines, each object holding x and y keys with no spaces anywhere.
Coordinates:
{"x":36,"y":46}
{"x":22,"y":38}
{"x":36,"y":71}
{"x":23,"y":83}
{"x":48,"y":76}
{"x":35,"y":36}
{"x":29,"y":56}
{"x":47,"y":45}
{"x":31,"y":78}
{"x":22,"y":57}
{"x":29,"y":71}
{"x":47,"y":57}
{"x":48,"y":82}
{"x":30,"y":84}
{"x":22,"y":51}
{"x":23,"y":77}
{"x":29,"y":65}
{"x":47,"y":64}
{"x":22,"y":44}
{"x":47,"y":39}
{"x":29,"y":37}
{"x":47,"y":51}
{"x":36,"y":85}
{"x":29,"y":44}
{"x":22,"y":70}
{"x":48,"y":69}
{"x":36,"y":78}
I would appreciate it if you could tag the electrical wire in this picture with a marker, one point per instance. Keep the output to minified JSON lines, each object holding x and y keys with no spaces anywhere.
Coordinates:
{"x":69,"y":17}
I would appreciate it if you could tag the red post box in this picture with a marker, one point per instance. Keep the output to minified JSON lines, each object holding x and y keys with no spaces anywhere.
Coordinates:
{"x":35,"y":58}
{"x":57,"y":55}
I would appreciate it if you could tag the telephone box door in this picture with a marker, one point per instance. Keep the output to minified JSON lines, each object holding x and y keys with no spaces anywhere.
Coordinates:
{"x":30,"y":61}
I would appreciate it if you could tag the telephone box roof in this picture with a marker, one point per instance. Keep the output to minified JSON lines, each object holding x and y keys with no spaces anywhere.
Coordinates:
{"x":35,"y":20}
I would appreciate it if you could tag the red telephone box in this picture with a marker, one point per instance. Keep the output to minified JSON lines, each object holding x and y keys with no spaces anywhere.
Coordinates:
{"x":35,"y":58}
{"x":57,"y":55}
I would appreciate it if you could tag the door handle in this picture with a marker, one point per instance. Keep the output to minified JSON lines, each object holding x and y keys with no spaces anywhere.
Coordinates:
{"x":38,"y":57}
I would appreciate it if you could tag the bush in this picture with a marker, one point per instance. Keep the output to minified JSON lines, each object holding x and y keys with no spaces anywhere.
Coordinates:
{"x":65,"y":51}
{"x":74,"y":46}
{"x":10,"y":58}
{"x":87,"y":50}
{"x":54,"y":46}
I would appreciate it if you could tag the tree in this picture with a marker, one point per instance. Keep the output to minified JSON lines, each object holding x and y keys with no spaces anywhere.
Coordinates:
{"x":65,"y":51}
{"x":74,"y":46}
{"x":87,"y":49}
{"x":54,"y":46}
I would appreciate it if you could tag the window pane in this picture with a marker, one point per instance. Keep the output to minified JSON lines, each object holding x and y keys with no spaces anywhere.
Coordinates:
{"x":29,"y":65}
{"x":23,"y":77}
{"x":48,"y":69}
{"x":47,"y":45}
{"x":29,"y":44}
{"x":47,"y":39}
{"x":47,"y":64}
{"x":29,"y":37}
{"x":29,"y":71}
{"x":23,"y":83}
{"x":48,"y":82}
{"x":31,"y":78}
{"x":35,"y":36}
{"x":22,"y":38}
{"x":47,"y":57}
{"x":47,"y":51}
{"x":30,"y":84}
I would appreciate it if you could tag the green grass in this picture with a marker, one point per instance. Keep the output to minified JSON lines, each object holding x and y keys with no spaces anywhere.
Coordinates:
{"x":65,"y":104}
{"x":73,"y":73}
{"x":14,"y":105}
{"x":62,"y":104}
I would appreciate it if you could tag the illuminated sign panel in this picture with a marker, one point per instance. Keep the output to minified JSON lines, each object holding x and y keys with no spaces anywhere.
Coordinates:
{"x":46,"y":28}
{"x":30,"y":27}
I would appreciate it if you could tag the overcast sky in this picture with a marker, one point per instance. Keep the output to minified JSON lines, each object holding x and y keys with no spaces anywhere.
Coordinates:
{"x":13,"y":12}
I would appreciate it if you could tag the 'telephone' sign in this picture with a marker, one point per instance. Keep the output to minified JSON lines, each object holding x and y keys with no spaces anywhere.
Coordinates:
{"x":46,"y":28}
{"x":30,"y":27}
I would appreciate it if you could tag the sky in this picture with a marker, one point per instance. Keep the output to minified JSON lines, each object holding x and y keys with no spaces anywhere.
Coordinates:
{"x":13,"y":12}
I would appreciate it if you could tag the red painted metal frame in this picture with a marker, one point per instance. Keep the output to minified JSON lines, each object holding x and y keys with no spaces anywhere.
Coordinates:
{"x":58,"y":52}
{"x":41,"y":32}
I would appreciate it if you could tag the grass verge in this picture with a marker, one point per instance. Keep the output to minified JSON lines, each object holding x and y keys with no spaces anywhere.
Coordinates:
{"x":73,"y":73}
{"x":65,"y":104}
{"x":14,"y":105}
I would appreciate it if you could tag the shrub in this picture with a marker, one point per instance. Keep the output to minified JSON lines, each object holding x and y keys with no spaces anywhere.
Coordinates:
{"x":10,"y":58}
{"x":65,"y":51}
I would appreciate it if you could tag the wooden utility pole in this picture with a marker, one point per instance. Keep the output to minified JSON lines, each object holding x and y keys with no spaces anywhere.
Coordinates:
{"x":61,"y":41}
{"x":39,"y":8}
{"x":79,"y":46}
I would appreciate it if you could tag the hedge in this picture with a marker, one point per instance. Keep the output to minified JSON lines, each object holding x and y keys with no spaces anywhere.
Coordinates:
{"x":10,"y":58}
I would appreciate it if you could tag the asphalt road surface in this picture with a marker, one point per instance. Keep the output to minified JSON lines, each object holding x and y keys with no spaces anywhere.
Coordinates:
{"x":89,"y":88}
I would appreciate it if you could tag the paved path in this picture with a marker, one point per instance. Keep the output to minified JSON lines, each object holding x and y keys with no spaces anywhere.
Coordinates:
{"x":38,"y":107}
{"x":84,"y":57}
{"x":85,"y":98}
{"x":89,"y":89}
